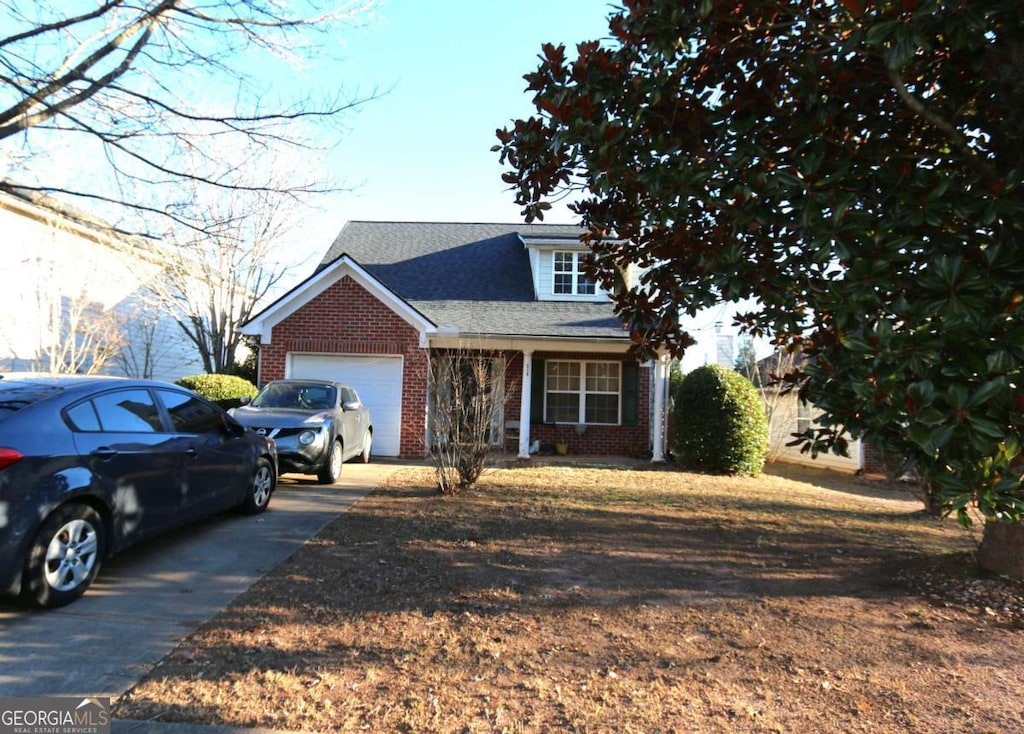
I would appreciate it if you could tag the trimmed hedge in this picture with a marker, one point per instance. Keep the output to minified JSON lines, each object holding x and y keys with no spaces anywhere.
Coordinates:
{"x":226,"y":391}
{"x":720,"y":422}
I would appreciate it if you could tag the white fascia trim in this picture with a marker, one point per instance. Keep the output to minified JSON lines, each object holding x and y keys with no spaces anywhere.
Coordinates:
{"x":551,"y":243}
{"x":100,"y":232}
{"x":560,"y":243}
{"x":528,"y":343}
{"x":262,"y":324}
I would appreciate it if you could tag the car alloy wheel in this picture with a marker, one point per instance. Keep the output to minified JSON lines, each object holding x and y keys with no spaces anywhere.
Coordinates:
{"x":332,"y":467}
{"x":257,"y":497}
{"x":65,"y":556}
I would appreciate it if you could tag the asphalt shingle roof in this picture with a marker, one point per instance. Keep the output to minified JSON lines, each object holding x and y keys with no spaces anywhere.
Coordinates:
{"x":473,"y":277}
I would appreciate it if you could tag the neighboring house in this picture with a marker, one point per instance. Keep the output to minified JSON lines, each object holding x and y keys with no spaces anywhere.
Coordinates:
{"x":388,"y":294}
{"x":71,"y":285}
{"x":788,"y":415}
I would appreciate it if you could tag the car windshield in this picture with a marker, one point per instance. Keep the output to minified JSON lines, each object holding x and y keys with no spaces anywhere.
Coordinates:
{"x":300,"y":397}
{"x":14,"y":397}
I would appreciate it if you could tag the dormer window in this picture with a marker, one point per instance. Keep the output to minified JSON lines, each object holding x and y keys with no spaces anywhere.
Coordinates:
{"x":569,"y":279}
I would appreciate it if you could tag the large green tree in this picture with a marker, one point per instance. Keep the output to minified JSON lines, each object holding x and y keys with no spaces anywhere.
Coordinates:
{"x":854,"y":168}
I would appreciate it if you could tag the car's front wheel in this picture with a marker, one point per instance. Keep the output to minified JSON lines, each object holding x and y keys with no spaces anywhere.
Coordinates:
{"x":65,"y":556}
{"x":261,"y":486}
{"x":331,"y":469}
{"x":364,"y":455}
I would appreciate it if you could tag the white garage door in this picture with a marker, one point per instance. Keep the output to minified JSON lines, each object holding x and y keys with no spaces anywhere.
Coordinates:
{"x":378,"y":380}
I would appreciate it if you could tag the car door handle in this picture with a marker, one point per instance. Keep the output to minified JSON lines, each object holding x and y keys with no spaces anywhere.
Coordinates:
{"x":191,"y":453}
{"x":104,"y":453}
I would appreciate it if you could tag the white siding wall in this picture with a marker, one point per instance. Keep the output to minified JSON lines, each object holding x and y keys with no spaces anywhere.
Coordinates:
{"x":46,"y":264}
{"x":784,"y":423}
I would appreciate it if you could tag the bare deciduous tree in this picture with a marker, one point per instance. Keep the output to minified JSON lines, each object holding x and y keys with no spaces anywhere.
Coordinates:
{"x":144,"y":350}
{"x":215,"y":277}
{"x":466,"y":391}
{"x":62,"y":328}
{"x":78,"y":336}
{"x":146,"y":89}
{"x":780,"y":397}
{"x":65,"y":287}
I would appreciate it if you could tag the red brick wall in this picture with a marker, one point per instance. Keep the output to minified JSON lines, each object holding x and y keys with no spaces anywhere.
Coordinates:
{"x":596,"y":440}
{"x":347,"y":319}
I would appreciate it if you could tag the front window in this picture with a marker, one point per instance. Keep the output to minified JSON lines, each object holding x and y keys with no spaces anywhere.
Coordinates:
{"x":582,"y":392}
{"x":569,"y":277}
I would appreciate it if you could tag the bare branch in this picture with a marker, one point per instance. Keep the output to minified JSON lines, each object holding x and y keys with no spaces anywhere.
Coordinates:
{"x":17,"y":118}
{"x":60,"y":24}
{"x":123,"y":78}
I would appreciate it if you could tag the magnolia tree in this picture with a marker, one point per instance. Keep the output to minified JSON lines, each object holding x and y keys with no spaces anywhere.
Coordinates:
{"x":854,"y":168}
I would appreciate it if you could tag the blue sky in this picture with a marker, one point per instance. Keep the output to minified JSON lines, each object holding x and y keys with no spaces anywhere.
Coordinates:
{"x":453,"y":70}
{"x":450,"y":73}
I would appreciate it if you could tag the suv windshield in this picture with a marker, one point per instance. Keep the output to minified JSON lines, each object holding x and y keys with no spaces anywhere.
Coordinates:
{"x":295,"y":397}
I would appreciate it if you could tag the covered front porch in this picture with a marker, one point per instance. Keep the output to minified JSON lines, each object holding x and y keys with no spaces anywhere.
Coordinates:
{"x":588,"y":397}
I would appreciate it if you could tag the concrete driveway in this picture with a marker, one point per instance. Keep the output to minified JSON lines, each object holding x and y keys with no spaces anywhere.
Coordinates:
{"x":151,"y":596}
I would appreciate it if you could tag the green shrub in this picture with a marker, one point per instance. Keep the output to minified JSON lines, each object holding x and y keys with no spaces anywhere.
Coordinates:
{"x":226,"y":391}
{"x":720,"y":422}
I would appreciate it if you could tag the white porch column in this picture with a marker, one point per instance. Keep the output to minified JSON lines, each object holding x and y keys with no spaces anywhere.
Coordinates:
{"x":660,"y":380}
{"x":524,"y":405}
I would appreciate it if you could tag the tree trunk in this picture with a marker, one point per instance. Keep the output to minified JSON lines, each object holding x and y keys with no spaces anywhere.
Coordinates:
{"x":1002,"y":549}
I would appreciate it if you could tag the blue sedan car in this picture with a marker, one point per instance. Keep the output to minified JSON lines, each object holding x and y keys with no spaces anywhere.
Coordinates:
{"x":90,"y":465}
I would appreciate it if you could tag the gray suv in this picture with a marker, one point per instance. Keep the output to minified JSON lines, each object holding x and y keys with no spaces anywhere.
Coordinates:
{"x":317,"y":425}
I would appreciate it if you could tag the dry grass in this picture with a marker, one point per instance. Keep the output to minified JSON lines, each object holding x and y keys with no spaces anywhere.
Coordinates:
{"x":603,"y":600}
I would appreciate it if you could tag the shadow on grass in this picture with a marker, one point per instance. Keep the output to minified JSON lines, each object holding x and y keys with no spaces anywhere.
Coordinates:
{"x":497,"y":550}
{"x":407,"y":581}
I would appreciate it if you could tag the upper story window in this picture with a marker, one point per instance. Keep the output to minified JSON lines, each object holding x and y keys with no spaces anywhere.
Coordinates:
{"x":569,"y":279}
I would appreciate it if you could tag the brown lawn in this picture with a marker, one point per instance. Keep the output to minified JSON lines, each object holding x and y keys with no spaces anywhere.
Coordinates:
{"x":590,"y":599}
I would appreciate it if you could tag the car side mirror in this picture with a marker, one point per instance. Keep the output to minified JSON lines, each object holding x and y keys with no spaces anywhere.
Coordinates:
{"x":245,"y":400}
{"x":350,"y":405}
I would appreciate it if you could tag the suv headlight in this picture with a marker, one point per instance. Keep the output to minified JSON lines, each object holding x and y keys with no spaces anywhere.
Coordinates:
{"x":307,"y":437}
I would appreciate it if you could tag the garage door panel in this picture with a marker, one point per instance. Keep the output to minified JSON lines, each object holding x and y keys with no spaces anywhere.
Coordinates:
{"x":377,"y":379}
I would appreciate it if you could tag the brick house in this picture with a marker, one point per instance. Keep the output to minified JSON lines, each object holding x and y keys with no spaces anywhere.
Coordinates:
{"x":388,"y":295}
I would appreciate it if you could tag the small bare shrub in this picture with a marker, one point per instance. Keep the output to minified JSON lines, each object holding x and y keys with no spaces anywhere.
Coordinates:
{"x":466,"y":400}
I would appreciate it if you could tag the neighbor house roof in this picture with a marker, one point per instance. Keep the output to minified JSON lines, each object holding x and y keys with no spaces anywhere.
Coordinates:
{"x":472,"y":277}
